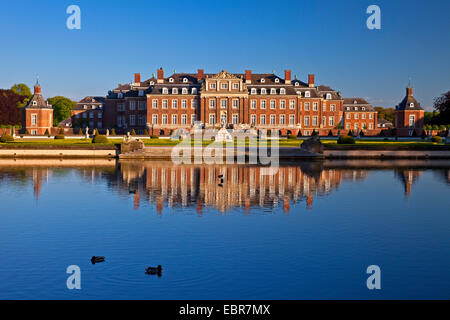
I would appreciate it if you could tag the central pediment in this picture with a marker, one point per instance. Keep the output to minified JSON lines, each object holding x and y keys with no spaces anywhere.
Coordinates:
{"x":224,"y":75}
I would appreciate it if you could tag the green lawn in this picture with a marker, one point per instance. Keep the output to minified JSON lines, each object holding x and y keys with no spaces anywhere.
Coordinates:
{"x":115,"y":142}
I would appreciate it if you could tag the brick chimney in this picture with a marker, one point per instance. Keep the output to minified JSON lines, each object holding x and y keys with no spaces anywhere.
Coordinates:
{"x":311,"y":80}
{"x":409,"y":91}
{"x":160,"y":75}
{"x":200,"y":74}
{"x":287,"y":76}
{"x":248,"y":76}
{"x":137,"y":78}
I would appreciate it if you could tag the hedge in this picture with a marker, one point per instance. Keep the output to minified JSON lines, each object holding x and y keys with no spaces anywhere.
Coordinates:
{"x":6,"y":138}
{"x":346,"y":140}
{"x":99,"y":138}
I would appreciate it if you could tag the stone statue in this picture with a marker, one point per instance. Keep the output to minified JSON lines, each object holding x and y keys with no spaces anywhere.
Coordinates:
{"x":107,"y":132}
{"x":313,"y":144}
{"x":87,"y":132}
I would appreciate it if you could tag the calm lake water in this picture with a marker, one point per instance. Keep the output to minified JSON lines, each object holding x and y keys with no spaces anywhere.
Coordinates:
{"x":308,"y":232}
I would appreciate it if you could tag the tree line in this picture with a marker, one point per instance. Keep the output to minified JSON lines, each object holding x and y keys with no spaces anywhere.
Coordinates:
{"x":17,"y":97}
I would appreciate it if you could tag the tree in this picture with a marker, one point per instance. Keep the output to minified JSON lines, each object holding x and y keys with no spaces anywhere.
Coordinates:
{"x":62,"y":108}
{"x":387,"y":114}
{"x":9,"y":112}
{"x":442,"y":105}
{"x":22,"y":90}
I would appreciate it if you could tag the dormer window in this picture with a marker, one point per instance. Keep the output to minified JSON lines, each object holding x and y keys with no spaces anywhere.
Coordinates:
{"x":348,"y":108}
{"x":152,"y":83}
{"x":141,"y":93}
{"x":299,"y":92}
{"x":355,"y":102}
{"x":184,"y":91}
{"x":411,"y":105}
{"x":307,"y":94}
{"x":273,"y":91}
{"x":194,"y":90}
{"x":263,"y":80}
{"x":328,"y":95}
{"x":34,"y":103}
{"x":296,"y":84}
{"x":282,"y":91}
{"x":120,"y":95}
{"x":277,"y":80}
{"x":165,"y":91}
{"x":93,"y":107}
{"x":263,"y":91}
{"x":175,"y":91}
{"x":171,"y":80}
{"x":85,"y":107}
{"x":253,"y":91}
{"x":363,"y":108}
{"x":185,"y":80}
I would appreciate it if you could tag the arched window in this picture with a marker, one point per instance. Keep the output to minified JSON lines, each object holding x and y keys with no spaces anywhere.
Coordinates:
{"x":184,"y":91}
{"x":282,"y":91}
{"x":307,"y":94}
{"x":328,"y":95}
{"x":120,"y":95}
{"x":194,"y":90}
{"x":174,"y":90}
{"x":253,"y":91}
{"x":273,"y":91}
{"x":263,"y":91}
{"x":165,"y":91}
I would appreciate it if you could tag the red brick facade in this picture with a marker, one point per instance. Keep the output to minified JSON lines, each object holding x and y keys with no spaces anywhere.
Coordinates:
{"x":260,"y":101}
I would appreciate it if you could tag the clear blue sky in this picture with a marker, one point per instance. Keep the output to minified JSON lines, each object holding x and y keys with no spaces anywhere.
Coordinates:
{"x":327,"y":38}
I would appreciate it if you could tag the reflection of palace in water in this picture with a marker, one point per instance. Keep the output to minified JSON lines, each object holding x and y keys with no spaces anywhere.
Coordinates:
{"x":226,"y":187}
{"x":220,"y":187}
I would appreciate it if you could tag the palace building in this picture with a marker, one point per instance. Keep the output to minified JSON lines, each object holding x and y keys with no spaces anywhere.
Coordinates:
{"x":263,"y":101}
{"x":37,"y":115}
{"x":88,"y":112}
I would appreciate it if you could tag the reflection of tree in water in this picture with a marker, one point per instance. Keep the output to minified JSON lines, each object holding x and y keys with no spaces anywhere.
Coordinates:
{"x":443,"y":175}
